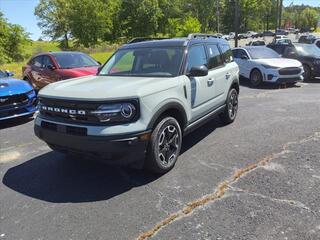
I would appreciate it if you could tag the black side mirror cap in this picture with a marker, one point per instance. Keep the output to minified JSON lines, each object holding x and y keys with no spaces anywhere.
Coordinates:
{"x":198,"y":71}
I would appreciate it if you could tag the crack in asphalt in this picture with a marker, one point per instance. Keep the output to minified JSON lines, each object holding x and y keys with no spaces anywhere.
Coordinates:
{"x":220,"y":190}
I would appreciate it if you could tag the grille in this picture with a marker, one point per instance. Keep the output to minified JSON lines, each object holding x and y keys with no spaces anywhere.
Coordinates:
{"x":289,"y":71}
{"x":75,"y":105}
{"x":13,"y":100}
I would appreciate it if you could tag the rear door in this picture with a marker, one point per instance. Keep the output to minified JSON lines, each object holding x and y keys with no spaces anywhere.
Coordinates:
{"x":36,"y":71}
{"x":217,"y":73}
{"x":244,"y":64}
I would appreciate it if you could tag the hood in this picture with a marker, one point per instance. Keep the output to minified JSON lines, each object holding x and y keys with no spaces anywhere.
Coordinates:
{"x":279,"y":62}
{"x":106,"y":87}
{"x":79,"y":72}
{"x":12,"y":86}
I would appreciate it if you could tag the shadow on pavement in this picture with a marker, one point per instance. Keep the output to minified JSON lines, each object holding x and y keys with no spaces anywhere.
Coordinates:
{"x":13,"y":122}
{"x":245,"y":83}
{"x":53,"y":178}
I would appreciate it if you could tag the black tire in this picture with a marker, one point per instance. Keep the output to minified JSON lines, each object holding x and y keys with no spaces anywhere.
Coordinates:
{"x":164,"y":146}
{"x":231,"y":110}
{"x":307,"y":73}
{"x":255,"y":78}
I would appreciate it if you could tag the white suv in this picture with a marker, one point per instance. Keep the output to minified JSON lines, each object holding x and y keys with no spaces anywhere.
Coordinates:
{"x":143,"y":100}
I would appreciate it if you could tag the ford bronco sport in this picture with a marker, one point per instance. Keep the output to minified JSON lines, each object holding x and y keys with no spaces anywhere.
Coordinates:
{"x":142,"y":101}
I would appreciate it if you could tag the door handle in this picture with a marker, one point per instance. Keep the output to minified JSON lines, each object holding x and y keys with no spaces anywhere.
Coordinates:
{"x":228,"y":75}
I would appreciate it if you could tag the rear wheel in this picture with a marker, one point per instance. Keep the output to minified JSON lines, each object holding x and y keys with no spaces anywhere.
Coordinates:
{"x":255,"y":78}
{"x":231,"y":110}
{"x":164,"y":147}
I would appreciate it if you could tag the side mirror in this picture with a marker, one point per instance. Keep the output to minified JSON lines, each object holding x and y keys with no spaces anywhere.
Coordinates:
{"x":244,"y":57}
{"x":292,"y":54}
{"x":9,"y":74}
{"x":51,"y":67}
{"x":198,"y":71}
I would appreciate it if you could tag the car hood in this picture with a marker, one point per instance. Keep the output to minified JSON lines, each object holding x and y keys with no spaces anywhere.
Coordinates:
{"x":12,"y":86}
{"x":279,"y":62}
{"x":79,"y":72}
{"x":106,"y":87}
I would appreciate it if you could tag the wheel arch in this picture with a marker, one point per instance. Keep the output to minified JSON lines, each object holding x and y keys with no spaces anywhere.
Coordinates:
{"x":173,"y":109}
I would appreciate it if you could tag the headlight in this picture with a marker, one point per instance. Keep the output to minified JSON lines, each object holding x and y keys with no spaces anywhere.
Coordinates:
{"x":270,"y":67}
{"x":116,"y":112}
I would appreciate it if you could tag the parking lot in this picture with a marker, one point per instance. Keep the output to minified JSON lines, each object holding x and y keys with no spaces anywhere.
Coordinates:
{"x":257,"y":178}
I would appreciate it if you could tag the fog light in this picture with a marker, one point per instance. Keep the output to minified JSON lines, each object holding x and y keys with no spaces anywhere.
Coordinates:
{"x":270,"y":76}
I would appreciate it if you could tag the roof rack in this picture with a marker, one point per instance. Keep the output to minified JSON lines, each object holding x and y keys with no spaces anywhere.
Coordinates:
{"x":143,"y":39}
{"x":201,"y":35}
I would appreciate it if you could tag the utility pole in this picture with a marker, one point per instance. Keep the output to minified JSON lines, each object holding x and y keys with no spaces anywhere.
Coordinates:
{"x":280,"y":12}
{"x":236,"y":21}
{"x":218,"y":15}
{"x":277,"y":15}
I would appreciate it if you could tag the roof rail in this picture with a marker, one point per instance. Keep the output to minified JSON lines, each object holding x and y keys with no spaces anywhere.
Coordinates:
{"x":201,"y":35}
{"x":143,"y":39}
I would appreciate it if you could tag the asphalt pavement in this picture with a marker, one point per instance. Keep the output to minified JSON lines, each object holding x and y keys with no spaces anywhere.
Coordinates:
{"x":258,"y":178}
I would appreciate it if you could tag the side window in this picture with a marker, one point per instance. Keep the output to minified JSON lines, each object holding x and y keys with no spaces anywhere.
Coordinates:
{"x":46,"y":61}
{"x":227,"y":53}
{"x":37,"y":61}
{"x":196,"y":57}
{"x":235,"y":53}
{"x":215,"y":57}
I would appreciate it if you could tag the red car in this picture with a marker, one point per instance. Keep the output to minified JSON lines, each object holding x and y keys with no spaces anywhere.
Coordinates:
{"x":50,"y":67}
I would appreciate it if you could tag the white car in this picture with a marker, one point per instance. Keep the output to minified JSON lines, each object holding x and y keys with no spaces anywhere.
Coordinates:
{"x":262,"y":64}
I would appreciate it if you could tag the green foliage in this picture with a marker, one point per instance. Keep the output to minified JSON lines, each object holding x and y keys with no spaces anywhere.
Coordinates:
{"x":13,"y":40}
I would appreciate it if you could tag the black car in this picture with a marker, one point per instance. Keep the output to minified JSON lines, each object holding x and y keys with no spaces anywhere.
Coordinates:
{"x":268,"y":34}
{"x":307,"y":54}
{"x":307,"y":39}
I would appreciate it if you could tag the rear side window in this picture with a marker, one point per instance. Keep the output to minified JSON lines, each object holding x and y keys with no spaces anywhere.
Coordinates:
{"x":46,"y":61}
{"x":215,"y":57}
{"x":196,"y":57}
{"x":227,"y":53}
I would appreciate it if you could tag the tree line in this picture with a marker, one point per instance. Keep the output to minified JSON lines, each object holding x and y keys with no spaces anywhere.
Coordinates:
{"x":88,"y":22}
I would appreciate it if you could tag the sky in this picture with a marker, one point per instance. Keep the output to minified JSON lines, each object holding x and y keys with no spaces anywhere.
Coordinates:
{"x":22,"y":12}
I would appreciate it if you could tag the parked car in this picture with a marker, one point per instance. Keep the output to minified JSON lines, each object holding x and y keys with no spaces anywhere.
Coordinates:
{"x":142,"y":101}
{"x":268,"y":34}
{"x":256,"y":43}
{"x":232,"y":35}
{"x":17,"y":97}
{"x":307,"y":54}
{"x":281,"y":32}
{"x":262,"y":64}
{"x":307,"y":39}
{"x":252,"y":34}
{"x":50,"y":67}
{"x":285,"y":41}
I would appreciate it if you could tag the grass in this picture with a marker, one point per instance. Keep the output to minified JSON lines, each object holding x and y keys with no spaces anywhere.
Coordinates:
{"x":42,"y":46}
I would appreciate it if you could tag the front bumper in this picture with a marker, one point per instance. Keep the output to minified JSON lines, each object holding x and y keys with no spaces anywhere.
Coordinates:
{"x":19,"y":110}
{"x":273,"y":76}
{"x":120,"y":150}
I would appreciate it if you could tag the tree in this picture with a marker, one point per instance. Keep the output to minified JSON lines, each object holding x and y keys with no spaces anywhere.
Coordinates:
{"x":53,"y":19}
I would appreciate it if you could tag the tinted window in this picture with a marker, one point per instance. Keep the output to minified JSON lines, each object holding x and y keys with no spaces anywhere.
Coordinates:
{"x":159,"y":61}
{"x":74,"y":60}
{"x":238,"y":53}
{"x":215,"y":57}
{"x":46,"y":61}
{"x":37,"y":61}
{"x":227,"y":53}
{"x":196,"y":57}
{"x":262,"y":52}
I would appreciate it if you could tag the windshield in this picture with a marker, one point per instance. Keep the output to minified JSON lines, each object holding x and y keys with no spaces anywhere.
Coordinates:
{"x":3,"y":74}
{"x":159,"y":61}
{"x":308,"y":50}
{"x":262,"y":52}
{"x":74,"y":60}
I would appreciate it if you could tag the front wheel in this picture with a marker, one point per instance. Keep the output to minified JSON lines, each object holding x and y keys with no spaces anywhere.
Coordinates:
{"x":164,"y":147}
{"x":231,"y":110}
{"x":255,"y":78}
{"x":307,"y":73}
